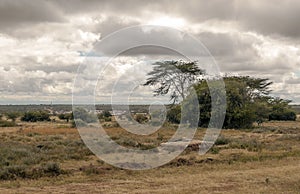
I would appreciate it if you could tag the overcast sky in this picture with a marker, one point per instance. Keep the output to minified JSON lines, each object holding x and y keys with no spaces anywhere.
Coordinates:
{"x":42,"y":42}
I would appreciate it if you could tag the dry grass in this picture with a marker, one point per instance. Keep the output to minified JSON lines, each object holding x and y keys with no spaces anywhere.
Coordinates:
{"x":261,"y":160}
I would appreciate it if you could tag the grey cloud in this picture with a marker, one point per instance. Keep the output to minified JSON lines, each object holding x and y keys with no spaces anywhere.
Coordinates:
{"x":53,"y":68}
{"x":267,"y":17}
{"x":192,"y":9}
{"x":117,"y":7}
{"x":145,"y":37}
{"x":112,"y":24}
{"x":16,"y":13}
{"x":270,"y":17}
{"x":293,"y":81}
{"x":226,"y":44}
{"x":257,"y":65}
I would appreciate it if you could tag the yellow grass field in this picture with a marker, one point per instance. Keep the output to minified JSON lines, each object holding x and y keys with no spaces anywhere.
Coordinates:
{"x":265,"y":159}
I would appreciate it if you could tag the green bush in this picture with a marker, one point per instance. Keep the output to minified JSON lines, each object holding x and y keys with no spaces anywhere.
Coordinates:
{"x":281,"y":110}
{"x":283,"y":116}
{"x":67,"y":116}
{"x":12,"y":116}
{"x":32,"y":116}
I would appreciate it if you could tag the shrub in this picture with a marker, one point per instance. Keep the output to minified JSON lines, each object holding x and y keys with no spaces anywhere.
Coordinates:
{"x":107,"y":119}
{"x":214,"y":150}
{"x":52,"y":169}
{"x":36,"y":116}
{"x":12,"y":116}
{"x":141,"y":118}
{"x":250,"y":145}
{"x":91,"y":169}
{"x":283,"y":116}
{"x":12,"y":172}
{"x":222,"y":141}
{"x":281,"y":110}
{"x":7,"y":123}
{"x":67,"y":116}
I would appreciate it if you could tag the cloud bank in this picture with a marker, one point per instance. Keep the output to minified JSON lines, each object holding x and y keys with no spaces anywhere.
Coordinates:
{"x":43,"y":42}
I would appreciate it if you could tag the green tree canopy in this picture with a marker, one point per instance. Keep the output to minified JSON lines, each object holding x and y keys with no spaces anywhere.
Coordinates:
{"x":34,"y":116}
{"x":12,"y":116}
{"x":174,"y":78}
{"x":248,"y":100}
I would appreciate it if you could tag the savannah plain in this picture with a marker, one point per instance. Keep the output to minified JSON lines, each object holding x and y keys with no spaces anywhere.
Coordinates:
{"x":49,"y":157}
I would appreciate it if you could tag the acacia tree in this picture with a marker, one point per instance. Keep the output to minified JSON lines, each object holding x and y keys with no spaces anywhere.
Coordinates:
{"x":12,"y":116}
{"x":248,"y":100}
{"x":174,"y":77}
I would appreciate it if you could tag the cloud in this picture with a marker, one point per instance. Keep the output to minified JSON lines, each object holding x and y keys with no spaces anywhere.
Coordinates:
{"x":21,"y":13}
{"x":270,"y":17}
{"x":267,"y":17}
{"x":43,"y":42}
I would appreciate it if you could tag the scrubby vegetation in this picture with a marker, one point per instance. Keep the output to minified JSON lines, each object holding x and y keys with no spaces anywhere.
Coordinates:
{"x":4,"y":123}
{"x":105,"y":116}
{"x":33,"y":155}
{"x":66,"y":116}
{"x":34,"y":116}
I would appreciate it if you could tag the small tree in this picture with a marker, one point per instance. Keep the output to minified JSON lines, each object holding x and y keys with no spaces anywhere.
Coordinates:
{"x":67,"y":116}
{"x":12,"y":116}
{"x":173,"y":77}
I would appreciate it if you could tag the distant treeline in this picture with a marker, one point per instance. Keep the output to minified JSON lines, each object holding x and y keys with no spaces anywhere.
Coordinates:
{"x":34,"y":107}
{"x":67,"y":108}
